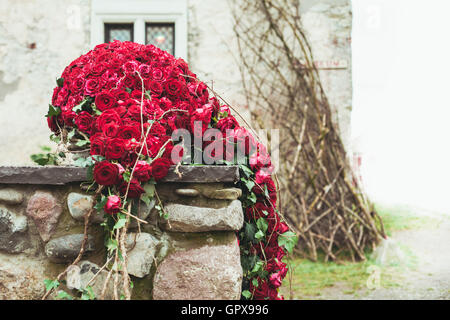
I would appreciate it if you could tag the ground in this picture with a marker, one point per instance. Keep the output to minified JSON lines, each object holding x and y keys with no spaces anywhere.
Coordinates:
{"x":416,"y":264}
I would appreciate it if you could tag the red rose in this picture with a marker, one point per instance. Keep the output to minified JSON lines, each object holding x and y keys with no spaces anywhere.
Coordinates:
{"x":263,"y":291}
{"x":120,"y":94}
{"x":282,"y":228}
{"x":98,"y":144}
{"x":92,"y":86}
{"x":129,"y":132}
{"x":227,"y":123}
{"x":142,"y":171}
{"x":104,"y":101}
{"x":84,"y":121}
{"x":77,"y":85}
{"x":134,"y":191}
{"x":160,"y":168}
{"x":155,"y":87}
{"x":173,"y":87}
{"x":275,"y":280}
{"x":112,"y":205}
{"x":130,"y":67}
{"x":111,"y":129}
{"x":106,"y":117}
{"x":106,"y":173}
{"x":116,"y":148}
{"x":52,"y":123}
{"x":144,"y":70}
{"x":157,"y":74}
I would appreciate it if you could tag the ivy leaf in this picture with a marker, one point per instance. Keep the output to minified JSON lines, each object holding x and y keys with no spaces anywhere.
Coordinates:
{"x":55,"y":138}
{"x":79,"y":107}
{"x":246,"y":170}
{"x":81,"y":143}
{"x":252,"y":197}
{"x":248,"y":183}
{"x":51,"y":284}
{"x":126,"y":176}
{"x":101,"y":204}
{"x":246,"y":294}
{"x":88,"y":294}
{"x":53,"y":111}
{"x":262,"y":225}
{"x":120,"y":223}
{"x":255,"y":282}
{"x":288,"y":240}
{"x":60,"y":82}
{"x":64,"y":295}
{"x":111,"y":244}
{"x":258,"y":267}
{"x":249,"y":231}
{"x":259,"y":235}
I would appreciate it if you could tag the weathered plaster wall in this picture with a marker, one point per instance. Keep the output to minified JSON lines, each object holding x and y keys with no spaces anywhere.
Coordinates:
{"x":39,"y":38}
{"x":329,"y":25}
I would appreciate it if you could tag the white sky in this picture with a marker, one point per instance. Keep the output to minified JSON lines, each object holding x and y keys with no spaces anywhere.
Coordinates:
{"x":401,"y":107}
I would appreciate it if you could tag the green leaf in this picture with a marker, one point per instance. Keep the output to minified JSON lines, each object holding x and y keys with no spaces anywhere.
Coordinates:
{"x":126,"y":176}
{"x":288,"y":240}
{"x":150,"y":189}
{"x":252,"y":197}
{"x":81,"y":143}
{"x":259,"y":235}
{"x":101,"y":204}
{"x":51,"y":284}
{"x":246,"y":294}
{"x":53,"y":111}
{"x":64,"y":295}
{"x":55,"y":138}
{"x":60,"y":82}
{"x":255,"y":282}
{"x":88,"y":294}
{"x":90,"y":173}
{"x":262,"y":224}
{"x":258,"y":267}
{"x":249,"y":231}
{"x":120,"y":223}
{"x":246,"y":170}
{"x":111,"y":244}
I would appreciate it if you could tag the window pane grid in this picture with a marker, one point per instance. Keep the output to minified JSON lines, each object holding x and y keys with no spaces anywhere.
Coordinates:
{"x":118,"y":31}
{"x":162,"y":35}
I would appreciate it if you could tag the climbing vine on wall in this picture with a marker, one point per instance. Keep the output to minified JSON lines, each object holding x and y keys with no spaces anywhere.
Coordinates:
{"x":320,"y":195}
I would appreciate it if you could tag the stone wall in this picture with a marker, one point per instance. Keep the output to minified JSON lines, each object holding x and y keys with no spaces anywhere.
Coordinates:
{"x":39,"y":38}
{"x":194,"y":254}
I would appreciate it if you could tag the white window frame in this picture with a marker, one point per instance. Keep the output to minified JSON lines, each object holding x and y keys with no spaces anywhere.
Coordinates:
{"x":140,"y":12}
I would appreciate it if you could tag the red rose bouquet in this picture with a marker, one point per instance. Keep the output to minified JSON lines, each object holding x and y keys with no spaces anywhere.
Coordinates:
{"x":124,"y":101}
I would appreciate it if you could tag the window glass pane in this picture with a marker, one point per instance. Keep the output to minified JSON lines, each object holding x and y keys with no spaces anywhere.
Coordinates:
{"x":116,"y":31}
{"x":161,"y":35}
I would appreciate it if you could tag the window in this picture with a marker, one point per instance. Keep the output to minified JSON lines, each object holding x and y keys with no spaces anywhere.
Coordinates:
{"x":161,"y":35}
{"x":159,"y":22}
{"x":118,"y":31}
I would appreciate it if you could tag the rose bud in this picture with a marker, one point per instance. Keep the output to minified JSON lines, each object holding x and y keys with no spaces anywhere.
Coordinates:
{"x":112,"y":205}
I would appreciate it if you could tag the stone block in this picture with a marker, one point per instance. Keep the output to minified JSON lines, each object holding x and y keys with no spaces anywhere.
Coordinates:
{"x":44,"y":209}
{"x":13,"y":232}
{"x":10,"y":196}
{"x":210,"y":272}
{"x":183,"y":218}
{"x":66,"y":248}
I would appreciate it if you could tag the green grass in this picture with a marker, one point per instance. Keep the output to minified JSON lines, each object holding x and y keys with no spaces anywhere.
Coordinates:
{"x":402,"y":217}
{"x":312,"y":280}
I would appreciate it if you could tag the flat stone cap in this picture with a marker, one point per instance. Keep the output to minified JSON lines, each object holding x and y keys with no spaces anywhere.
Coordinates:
{"x":60,"y":175}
